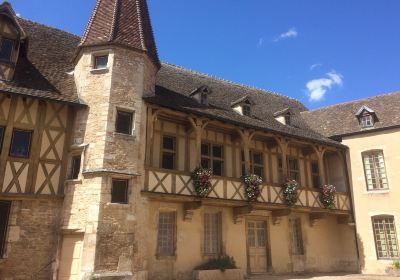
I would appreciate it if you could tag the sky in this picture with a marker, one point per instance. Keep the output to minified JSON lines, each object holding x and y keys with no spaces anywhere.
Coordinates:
{"x":320,"y":52}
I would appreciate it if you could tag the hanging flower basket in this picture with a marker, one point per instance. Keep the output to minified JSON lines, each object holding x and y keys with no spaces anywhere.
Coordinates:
{"x":327,"y":196}
{"x":201,"y":178}
{"x":252,"y":184}
{"x":290,"y":194}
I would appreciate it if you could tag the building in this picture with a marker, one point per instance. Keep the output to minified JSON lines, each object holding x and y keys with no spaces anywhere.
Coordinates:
{"x":371,"y":129}
{"x":99,"y":139}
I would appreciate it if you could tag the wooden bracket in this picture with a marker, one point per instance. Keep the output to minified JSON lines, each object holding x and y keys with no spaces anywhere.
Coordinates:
{"x":315,"y":217}
{"x":278,"y":214}
{"x":306,"y":151}
{"x":188,"y":209}
{"x":240,"y":212}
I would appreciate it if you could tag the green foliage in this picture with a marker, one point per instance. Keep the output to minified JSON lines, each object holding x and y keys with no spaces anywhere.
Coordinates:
{"x":396,"y":264}
{"x":222,"y":263}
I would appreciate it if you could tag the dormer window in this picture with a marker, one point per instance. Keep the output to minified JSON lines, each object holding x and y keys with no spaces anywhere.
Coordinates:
{"x":204,"y":98}
{"x":246,"y":109}
{"x":284,"y":116}
{"x":201,"y":95}
{"x":243,"y":106}
{"x":366,"y":117}
{"x":287,"y":119}
{"x":6,"y":49}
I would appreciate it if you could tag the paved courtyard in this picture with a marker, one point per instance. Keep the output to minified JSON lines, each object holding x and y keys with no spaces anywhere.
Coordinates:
{"x":330,"y":277}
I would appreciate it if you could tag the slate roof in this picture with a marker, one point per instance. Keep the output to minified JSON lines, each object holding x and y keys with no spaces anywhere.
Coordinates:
{"x":44,"y":61}
{"x":339,"y":120}
{"x":122,"y":22}
{"x":175,"y":84}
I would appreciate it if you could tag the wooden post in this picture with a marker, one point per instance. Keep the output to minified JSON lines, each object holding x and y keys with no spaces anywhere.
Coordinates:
{"x":246,"y":136}
{"x":283,"y":144}
{"x":198,"y":126}
{"x":152,"y":115}
{"x":320,"y":151}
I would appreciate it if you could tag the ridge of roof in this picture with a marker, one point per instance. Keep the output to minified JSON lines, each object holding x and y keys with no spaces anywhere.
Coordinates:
{"x":50,"y":27}
{"x":230,"y":82}
{"x":353,"y":101}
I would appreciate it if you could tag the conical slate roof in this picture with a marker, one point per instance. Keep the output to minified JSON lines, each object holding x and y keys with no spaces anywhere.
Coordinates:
{"x":122,"y":22}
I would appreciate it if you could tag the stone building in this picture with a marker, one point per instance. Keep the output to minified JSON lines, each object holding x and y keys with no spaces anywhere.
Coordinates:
{"x":98,"y":143}
{"x":371,"y":129}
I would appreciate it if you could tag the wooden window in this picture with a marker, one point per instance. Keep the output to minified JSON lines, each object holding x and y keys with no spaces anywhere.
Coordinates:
{"x":2,"y":129}
{"x":166,"y":234}
{"x":75,"y":167}
{"x":256,"y":163}
{"x":204,"y":98}
{"x":5,"y":207}
{"x":293,"y":168}
{"x":316,"y":180}
{"x":385,"y":237}
{"x":212,"y":156}
{"x":119,"y":192}
{"x":6,"y":49}
{"x":124,"y":122}
{"x":212,"y":233}
{"x":246,"y":109}
{"x":100,"y":62}
{"x":375,"y":171}
{"x":20,"y":143}
{"x":367,"y":121}
{"x":296,"y":236}
{"x":168,"y":152}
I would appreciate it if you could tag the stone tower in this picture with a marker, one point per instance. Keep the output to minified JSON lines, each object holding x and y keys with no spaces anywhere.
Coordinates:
{"x":115,"y":66}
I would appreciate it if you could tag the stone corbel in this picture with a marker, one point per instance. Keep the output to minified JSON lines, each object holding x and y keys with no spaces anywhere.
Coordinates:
{"x":240,"y":212}
{"x":189,"y":208}
{"x":316,"y":217}
{"x":278,"y":214}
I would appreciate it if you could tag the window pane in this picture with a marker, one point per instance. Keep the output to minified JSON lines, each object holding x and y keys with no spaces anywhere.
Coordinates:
{"x":100,"y":62}
{"x":218,"y":167}
{"x":217,"y":151}
{"x":385,"y":237}
{"x":375,"y":172}
{"x":212,"y":233}
{"x":124,"y":122}
{"x":119,"y":193}
{"x":20,"y":143}
{"x":297,"y":238}
{"x":6,"y":49}
{"x":4,"y":215}
{"x":246,"y":109}
{"x":205,"y":163}
{"x":75,"y":167}
{"x":169,"y":143}
{"x":205,"y":149}
{"x":168,"y":160}
{"x":166,"y":234}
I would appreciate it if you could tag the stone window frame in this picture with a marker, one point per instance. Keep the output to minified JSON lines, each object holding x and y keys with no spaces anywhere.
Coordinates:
{"x":127,"y":109}
{"x":127,"y":190}
{"x":218,"y":231}
{"x":96,"y":54}
{"x":375,"y":172}
{"x":296,"y":236}
{"x":172,"y":237}
{"x":377,"y":217}
{"x":75,"y":151}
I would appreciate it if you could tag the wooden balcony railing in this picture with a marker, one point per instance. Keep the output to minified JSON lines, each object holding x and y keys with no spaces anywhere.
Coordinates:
{"x":179,"y":183}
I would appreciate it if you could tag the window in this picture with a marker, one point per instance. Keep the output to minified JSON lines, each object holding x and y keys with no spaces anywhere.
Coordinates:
{"x":119,"y":192}
{"x":20,"y":143}
{"x":75,"y":167}
{"x":256,"y":163}
{"x":212,"y":156}
{"x":168,"y":152}
{"x":6,"y":49}
{"x":287,"y":119}
{"x":5,"y":207}
{"x":246,"y":110}
{"x":296,"y":236}
{"x":375,"y":171}
{"x":166,"y":234}
{"x":212,"y":234}
{"x":2,"y":129}
{"x":204,"y":98}
{"x":316,"y":181}
{"x":100,"y":62}
{"x":367,"y":121}
{"x":385,"y":237}
{"x":124,"y":122}
{"x":294,"y":172}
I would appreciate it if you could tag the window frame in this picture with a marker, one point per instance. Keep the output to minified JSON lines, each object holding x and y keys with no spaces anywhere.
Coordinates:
{"x":171,"y":239}
{"x":364,"y":119}
{"x":95,"y":63}
{"x":381,"y":217}
{"x":72,"y":167}
{"x":315,"y":174}
{"x":173,"y":152}
{"x":10,"y":59}
{"x":211,"y":158}
{"x":246,"y":112}
{"x":131,"y":121}
{"x":253,"y":164}
{"x":290,"y":171}
{"x":296,"y":236}
{"x":208,"y":237}
{"x":374,"y":171}
{"x":29,"y":145}
{"x":126,"y":191}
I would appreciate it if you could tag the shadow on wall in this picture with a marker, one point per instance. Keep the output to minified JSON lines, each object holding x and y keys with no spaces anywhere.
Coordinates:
{"x":361,"y":254}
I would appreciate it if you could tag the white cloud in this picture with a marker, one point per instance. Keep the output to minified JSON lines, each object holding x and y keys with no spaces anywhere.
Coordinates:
{"x":18,"y":14}
{"x":291,"y":33}
{"x":260,"y":42}
{"x":315,"y":66}
{"x":317,"y":88}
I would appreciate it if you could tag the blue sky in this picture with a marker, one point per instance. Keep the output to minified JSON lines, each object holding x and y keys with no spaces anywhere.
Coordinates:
{"x":320,"y":52}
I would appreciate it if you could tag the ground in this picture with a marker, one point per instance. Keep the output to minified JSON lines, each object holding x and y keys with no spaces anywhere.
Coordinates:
{"x":330,"y":277}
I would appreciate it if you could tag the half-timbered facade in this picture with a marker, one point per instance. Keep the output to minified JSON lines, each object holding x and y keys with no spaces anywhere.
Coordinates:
{"x":99,"y":140}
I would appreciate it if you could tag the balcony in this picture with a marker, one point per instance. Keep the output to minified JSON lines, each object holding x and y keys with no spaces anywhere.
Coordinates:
{"x":170,"y":185}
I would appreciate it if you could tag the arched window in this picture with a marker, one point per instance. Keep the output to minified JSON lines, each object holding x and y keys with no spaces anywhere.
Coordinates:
{"x":386,"y":242}
{"x":375,"y":170}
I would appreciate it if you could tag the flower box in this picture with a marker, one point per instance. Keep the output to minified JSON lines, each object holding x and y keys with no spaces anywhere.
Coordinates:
{"x":228,"y":274}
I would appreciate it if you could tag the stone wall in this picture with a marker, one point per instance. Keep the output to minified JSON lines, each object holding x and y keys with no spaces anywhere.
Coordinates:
{"x":32,"y":239}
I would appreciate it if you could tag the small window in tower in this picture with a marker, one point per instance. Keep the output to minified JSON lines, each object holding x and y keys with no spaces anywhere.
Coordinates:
{"x":6,"y":49}
{"x":246,"y":110}
{"x":20,"y":143}
{"x":100,"y":62}
{"x":75,"y":167}
{"x":124,"y":122}
{"x":119,"y":192}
